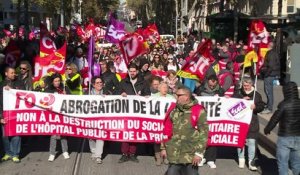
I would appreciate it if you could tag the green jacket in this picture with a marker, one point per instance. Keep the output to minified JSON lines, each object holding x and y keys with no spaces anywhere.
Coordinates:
{"x":186,"y":140}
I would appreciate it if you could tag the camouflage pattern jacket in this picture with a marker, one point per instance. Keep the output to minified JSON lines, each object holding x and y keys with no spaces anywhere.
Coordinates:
{"x":186,"y":140}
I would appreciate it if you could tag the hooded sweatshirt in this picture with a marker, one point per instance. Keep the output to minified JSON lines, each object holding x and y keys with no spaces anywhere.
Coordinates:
{"x":287,"y":113}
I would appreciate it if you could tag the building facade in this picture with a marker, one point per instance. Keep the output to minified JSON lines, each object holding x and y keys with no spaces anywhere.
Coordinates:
{"x":9,"y":14}
{"x":209,"y":12}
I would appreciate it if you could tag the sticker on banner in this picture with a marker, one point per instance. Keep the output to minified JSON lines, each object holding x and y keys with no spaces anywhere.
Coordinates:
{"x":237,"y":111}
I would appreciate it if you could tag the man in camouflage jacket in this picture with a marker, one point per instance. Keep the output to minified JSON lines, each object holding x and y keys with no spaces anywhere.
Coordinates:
{"x":185,"y":149}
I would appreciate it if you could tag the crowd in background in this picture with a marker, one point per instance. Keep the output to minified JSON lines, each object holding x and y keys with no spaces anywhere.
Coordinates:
{"x":154,"y":73}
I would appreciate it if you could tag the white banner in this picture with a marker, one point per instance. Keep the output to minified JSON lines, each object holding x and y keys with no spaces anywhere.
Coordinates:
{"x":131,"y":118}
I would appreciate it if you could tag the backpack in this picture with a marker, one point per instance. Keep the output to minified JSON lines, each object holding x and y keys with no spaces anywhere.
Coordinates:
{"x":168,"y":125}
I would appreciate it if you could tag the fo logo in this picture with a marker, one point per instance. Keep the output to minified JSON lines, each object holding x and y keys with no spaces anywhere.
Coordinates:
{"x":47,"y":101}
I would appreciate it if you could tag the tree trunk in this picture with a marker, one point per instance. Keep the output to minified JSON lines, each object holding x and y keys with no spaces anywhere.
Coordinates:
{"x":73,"y":9}
{"x":279,"y":12}
{"x":176,"y":22}
{"x":62,"y":20}
{"x":26,"y":19}
{"x":221,"y":7}
{"x":18,"y":17}
{"x":190,"y":11}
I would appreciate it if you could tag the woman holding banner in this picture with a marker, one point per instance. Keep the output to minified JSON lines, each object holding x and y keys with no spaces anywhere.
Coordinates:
{"x":248,"y":93}
{"x":56,"y":86}
{"x":96,"y":146}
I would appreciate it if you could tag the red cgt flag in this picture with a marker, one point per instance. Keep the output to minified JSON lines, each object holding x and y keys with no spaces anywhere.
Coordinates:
{"x":151,"y":34}
{"x":258,"y":37}
{"x":200,"y":61}
{"x":54,"y":62}
{"x":132,"y":46}
{"x":47,"y":45}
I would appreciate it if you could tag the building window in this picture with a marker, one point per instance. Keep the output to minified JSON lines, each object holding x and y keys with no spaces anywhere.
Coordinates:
{"x":290,"y":6}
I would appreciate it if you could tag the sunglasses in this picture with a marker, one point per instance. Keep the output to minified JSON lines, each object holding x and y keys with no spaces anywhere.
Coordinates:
{"x":178,"y":95}
{"x":22,"y":68}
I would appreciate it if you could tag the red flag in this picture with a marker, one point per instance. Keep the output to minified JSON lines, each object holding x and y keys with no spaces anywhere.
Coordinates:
{"x":159,"y":73}
{"x":21,"y":31}
{"x":62,"y":30}
{"x":43,"y":30}
{"x":47,"y":45}
{"x":54,"y":62}
{"x":151,"y":34}
{"x":132,"y":46}
{"x":100,"y":32}
{"x":90,"y":29}
{"x":80,"y":32}
{"x":85,"y":78}
{"x":7,"y":33}
{"x":199,"y":62}
{"x":259,"y":38}
{"x":12,"y":53}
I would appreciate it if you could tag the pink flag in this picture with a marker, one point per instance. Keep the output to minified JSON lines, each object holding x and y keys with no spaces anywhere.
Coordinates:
{"x":115,"y":30}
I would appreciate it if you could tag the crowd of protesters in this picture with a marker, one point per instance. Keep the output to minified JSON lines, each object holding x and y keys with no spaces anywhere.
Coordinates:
{"x":154,"y":73}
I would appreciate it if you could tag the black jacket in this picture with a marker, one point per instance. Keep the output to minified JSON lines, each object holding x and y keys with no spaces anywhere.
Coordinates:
{"x":111,"y":82}
{"x":271,"y":66}
{"x":141,"y":87}
{"x":259,"y":106}
{"x":15,"y":84}
{"x":204,"y":90}
{"x":287,"y":113}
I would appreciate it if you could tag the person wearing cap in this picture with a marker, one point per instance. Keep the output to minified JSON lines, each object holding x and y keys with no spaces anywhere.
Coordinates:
{"x":144,"y":69}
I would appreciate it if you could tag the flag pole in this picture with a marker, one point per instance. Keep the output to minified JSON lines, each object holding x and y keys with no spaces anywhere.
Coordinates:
{"x":255,"y":82}
{"x":90,"y":61}
{"x":242,"y":77}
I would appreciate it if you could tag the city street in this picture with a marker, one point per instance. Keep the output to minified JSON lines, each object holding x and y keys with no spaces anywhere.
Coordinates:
{"x":34,"y":162}
{"x":35,"y":155}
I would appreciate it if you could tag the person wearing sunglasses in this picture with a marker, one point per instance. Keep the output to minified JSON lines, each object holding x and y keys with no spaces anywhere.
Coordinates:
{"x":186,"y":145}
{"x":26,"y":75}
{"x":172,"y":64}
{"x":73,"y":79}
{"x":96,"y":145}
